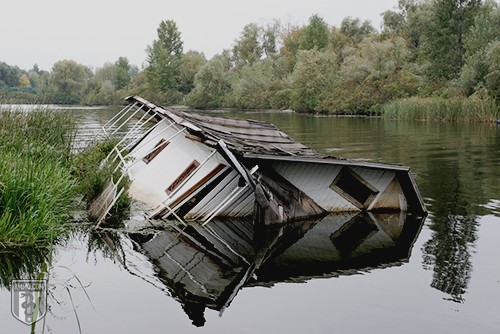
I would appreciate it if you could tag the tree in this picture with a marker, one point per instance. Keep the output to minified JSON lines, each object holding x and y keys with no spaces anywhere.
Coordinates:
{"x":493,"y":76}
{"x":190,"y":64}
{"x":393,"y":23}
{"x":24,"y":82}
{"x":345,"y":39}
{"x":315,"y":34}
{"x":478,"y":70}
{"x":291,"y":45}
{"x":271,"y":39}
{"x":406,"y":22}
{"x":355,"y":30}
{"x":248,"y":49}
{"x":256,"y":86}
{"x":313,"y":77}
{"x":376,"y":73}
{"x":163,"y":58}
{"x":445,"y":35}
{"x":123,"y":73}
{"x":9,"y":75}
{"x":212,"y":83}
{"x":69,"y":81}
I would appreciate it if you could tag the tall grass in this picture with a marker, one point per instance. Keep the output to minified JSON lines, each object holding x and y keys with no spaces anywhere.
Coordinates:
{"x":468,"y":110}
{"x":94,"y":174}
{"x":37,"y":189}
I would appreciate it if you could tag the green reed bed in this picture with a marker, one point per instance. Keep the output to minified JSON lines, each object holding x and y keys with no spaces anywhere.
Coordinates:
{"x":37,"y":189}
{"x":457,"y":109}
{"x":93,"y":176}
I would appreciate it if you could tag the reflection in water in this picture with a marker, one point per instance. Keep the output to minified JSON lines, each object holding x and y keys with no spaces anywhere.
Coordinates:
{"x":22,"y":263}
{"x":456,"y":169}
{"x":205,"y":267}
{"x":448,"y":252}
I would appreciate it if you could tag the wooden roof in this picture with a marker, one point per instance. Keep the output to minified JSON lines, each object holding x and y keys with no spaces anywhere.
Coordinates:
{"x":240,"y":135}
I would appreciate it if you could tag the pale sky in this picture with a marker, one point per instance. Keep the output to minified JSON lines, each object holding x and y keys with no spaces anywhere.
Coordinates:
{"x":93,"y":32}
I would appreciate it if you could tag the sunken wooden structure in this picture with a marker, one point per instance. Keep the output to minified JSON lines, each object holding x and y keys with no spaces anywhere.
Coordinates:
{"x":196,"y":167}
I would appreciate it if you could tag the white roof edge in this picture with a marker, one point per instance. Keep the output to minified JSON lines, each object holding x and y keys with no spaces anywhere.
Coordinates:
{"x":329,"y":161}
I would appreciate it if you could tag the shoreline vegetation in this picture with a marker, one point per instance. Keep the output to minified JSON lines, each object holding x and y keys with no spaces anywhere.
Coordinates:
{"x":42,"y":183}
{"x":436,"y":109}
{"x":37,"y":190}
{"x":431,"y":60}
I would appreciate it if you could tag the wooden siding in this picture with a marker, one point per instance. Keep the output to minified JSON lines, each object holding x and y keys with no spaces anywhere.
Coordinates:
{"x":167,"y":175}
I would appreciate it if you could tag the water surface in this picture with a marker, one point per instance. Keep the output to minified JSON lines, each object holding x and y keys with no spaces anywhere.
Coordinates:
{"x":343,"y":274}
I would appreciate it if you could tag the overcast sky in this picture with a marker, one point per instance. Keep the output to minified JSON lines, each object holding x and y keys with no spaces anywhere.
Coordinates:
{"x":93,"y":32}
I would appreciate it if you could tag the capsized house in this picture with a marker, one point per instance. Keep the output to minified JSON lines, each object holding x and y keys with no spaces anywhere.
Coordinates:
{"x":195,"y":167}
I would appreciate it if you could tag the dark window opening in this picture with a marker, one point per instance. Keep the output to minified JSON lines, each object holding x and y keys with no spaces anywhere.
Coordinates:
{"x":354,"y":188}
{"x":157,"y":149}
{"x":184,"y":175}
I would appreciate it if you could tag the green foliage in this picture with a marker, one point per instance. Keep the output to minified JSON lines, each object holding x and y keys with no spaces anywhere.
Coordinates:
{"x":212,"y":83}
{"x":163,"y":58}
{"x":248,"y":48}
{"x":109,"y":83}
{"x":378,"y":72}
{"x":291,"y":45}
{"x":191,"y":62}
{"x":472,"y":109}
{"x":486,"y":28}
{"x":123,"y":73}
{"x":18,"y":262}
{"x":409,"y":21}
{"x":474,"y":72}
{"x":255,"y":86}
{"x":9,"y":75}
{"x":493,"y":76}
{"x":92,"y":177}
{"x":69,"y":80}
{"x":448,"y":26}
{"x":24,"y":82}
{"x":315,"y":35}
{"x":270,"y":39}
{"x":93,"y":173}
{"x":355,"y":30}
{"x":314,"y":75}
{"x":438,"y":48}
{"x":37,"y":190}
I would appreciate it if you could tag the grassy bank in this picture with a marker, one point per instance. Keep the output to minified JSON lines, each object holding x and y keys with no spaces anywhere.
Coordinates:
{"x":37,"y":190}
{"x":468,"y":110}
{"x":40,"y":179}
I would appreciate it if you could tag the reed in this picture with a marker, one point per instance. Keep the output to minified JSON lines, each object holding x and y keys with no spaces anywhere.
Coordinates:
{"x":93,"y":173}
{"x":37,"y":190}
{"x":458,"y":109}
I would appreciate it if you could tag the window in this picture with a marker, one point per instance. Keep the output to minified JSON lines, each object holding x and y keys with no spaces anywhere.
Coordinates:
{"x":156,"y":150}
{"x":354,"y":188}
{"x":184,"y":175}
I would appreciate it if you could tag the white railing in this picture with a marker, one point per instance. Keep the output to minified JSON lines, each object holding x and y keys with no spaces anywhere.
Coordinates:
{"x":121,"y":121}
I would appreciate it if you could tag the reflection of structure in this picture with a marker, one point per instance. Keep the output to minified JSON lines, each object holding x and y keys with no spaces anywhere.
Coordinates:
{"x":207,"y":266}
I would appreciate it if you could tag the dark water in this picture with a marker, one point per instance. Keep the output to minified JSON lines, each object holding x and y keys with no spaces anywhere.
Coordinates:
{"x":343,"y":274}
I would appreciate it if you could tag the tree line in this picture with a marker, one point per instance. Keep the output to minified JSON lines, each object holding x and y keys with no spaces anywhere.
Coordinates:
{"x":438,"y":48}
